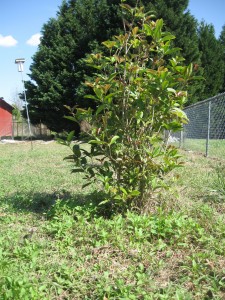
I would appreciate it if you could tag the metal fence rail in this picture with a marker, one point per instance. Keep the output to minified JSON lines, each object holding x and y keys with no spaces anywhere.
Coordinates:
{"x":205,"y":131}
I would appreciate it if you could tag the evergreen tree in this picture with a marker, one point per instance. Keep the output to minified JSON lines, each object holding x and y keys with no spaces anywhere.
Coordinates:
{"x":212,"y":60}
{"x":179,"y":21}
{"x":222,"y":43}
{"x":58,"y":72}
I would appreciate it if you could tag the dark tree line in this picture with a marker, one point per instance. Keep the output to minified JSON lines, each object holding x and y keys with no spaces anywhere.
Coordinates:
{"x":58,"y":70}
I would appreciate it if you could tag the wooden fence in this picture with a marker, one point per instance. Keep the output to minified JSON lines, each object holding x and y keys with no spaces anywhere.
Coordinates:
{"x":20,"y":129}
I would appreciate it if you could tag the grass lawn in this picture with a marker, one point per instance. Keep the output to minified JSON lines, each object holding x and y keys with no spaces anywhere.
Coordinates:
{"x":54,"y":244}
{"x":216,"y":148}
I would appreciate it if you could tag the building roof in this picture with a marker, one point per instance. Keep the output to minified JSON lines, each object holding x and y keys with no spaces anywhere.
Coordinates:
{"x":5,"y":105}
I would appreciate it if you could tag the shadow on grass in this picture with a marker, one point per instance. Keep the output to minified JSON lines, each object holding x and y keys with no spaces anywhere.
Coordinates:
{"x":213,"y":198}
{"x":44,"y":203}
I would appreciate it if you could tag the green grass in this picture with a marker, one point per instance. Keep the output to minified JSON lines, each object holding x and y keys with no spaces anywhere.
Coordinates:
{"x":216,"y":148}
{"x":55,"y":244}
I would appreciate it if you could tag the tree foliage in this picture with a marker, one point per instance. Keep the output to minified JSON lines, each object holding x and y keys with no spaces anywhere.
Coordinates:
{"x":179,"y":21}
{"x":139,"y":94}
{"x":222,"y":44}
{"x":58,"y":71}
{"x":212,"y":60}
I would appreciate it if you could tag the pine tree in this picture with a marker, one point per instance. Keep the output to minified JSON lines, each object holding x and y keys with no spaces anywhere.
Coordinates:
{"x":212,"y":60}
{"x":222,"y":43}
{"x":58,"y":72}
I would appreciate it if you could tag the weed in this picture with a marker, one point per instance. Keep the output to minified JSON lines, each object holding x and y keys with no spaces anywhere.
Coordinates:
{"x":77,"y":251}
{"x":218,"y":185}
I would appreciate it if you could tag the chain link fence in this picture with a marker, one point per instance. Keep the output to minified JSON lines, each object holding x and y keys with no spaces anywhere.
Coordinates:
{"x":205,"y":131}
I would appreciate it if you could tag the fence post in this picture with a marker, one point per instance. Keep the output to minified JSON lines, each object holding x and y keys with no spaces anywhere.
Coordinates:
{"x":208,"y":130}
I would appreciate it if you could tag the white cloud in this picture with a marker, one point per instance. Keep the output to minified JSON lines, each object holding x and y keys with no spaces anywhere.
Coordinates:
{"x":7,"y":41}
{"x":34,"y":40}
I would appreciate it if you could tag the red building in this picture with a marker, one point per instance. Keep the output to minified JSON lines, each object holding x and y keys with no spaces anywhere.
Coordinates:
{"x":6,"y":125}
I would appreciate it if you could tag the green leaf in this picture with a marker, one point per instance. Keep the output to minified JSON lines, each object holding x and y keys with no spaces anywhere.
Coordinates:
{"x":86,"y":184}
{"x":159,"y":24}
{"x":109,"y":44}
{"x":179,"y":113}
{"x":172,"y":51}
{"x":168,"y":38}
{"x":139,"y":116}
{"x":113,"y":140}
{"x":69,"y":157}
{"x":189,"y":70}
{"x":91,"y":172}
{"x":79,"y":170}
{"x":126,"y":7}
{"x":98,"y":142}
{"x":70,"y":118}
{"x":83,"y":160}
{"x":76,"y":151}
{"x":148,"y":29}
{"x":156,"y":152}
{"x":158,"y":28}
{"x":171,"y":90}
{"x":101,"y":108}
{"x":123,"y":190}
{"x":42,"y":288}
{"x":90,"y":97}
{"x":104,"y":202}
{"x":98,"y":92}
{"x":112,"y":76}
{"x":70,"y":136}
{"x":87,"y":153}
{"x":135,"y":193}
{"x":62,"y":142}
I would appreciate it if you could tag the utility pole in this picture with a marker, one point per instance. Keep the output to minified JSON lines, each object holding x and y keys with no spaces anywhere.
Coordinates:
{"x":20,"y":62}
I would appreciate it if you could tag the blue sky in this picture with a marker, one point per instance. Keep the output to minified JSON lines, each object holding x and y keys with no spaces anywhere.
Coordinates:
{"x":21,"y":22}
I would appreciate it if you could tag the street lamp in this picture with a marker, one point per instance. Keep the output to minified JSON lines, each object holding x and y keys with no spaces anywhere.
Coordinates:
{"x":20,"y":62}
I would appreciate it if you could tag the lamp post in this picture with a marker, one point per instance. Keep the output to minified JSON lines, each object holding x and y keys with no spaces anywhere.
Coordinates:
{"x":20,"y":62}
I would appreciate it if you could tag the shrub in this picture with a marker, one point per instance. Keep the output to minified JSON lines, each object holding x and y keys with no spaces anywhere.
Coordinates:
{"x":140,"y":91}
